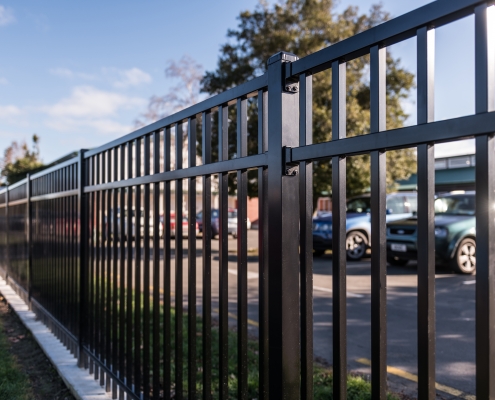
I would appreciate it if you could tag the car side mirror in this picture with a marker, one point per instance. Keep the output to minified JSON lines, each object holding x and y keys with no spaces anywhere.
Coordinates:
{"x":389,"y":211}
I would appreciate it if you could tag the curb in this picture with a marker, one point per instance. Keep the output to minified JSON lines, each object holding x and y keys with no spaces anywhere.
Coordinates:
{"x":80,"y":383}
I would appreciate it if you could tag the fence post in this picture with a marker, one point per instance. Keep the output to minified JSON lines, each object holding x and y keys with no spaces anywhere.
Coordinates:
{"x":82,"y":255}
{"x":283,"y":231}
{"x":29,"y":228}
{"x":485,"y":212}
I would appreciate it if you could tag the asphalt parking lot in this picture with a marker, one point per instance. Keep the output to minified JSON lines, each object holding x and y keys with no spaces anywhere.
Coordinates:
{"x":455,"y":312}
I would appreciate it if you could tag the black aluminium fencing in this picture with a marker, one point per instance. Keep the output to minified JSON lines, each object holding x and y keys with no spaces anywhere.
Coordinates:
{"x":70,"y":243}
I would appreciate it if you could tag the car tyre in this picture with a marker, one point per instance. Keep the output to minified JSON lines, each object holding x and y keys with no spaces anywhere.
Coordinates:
{"x":356,"y":244}
{"x":464,"y":260}
{"x":396,"y":261}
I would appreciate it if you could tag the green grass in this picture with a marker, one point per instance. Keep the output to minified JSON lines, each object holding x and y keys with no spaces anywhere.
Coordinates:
{"x":357,"y":387}
{"x":14,"y":384}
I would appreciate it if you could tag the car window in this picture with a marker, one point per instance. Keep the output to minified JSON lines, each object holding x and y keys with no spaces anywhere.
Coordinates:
{"x":360,"y":205}
{"x":395,"y":205}
{"x":199,"y":215}
{"x":455,"y":205}
{"x":232,"y":214}
{"x":411,"y":204}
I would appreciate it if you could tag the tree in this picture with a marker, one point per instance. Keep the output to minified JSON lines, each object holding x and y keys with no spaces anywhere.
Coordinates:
{"x":304,"y":27}
{"x":186,"y":93}
{"x":18,"y":161}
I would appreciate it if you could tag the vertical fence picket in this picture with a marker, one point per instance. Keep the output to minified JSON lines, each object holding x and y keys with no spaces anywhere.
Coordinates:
{"x":191,"y":276}
{"x":115,"y":272}
{"x":138,"y":271}
{"x":167,"y":255}
{"x":206,"y":156}
{"x":306,"y":235}
{"x":156,"y":268}
{"x":108,"y":273}
{"x":426,"y":219}
{"x":130,"y":228}
{"x":146,"y":273}
{"x":378,"y":108}
{"x":242,"y":265}
{"x":263,"y":246}
{"x":179,"y":351}
{"x":123,"y":273}
{"x":339,"y":233}
{"x":223,"y":298}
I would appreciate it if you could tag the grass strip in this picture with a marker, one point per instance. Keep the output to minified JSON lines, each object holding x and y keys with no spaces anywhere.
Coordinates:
{"x":14,"y":384}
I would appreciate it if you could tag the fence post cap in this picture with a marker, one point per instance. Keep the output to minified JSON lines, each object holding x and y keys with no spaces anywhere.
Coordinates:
{"x":283,"y":56}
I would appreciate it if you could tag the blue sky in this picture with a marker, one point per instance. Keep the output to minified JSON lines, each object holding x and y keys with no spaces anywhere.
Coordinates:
{"x":79,"y":73}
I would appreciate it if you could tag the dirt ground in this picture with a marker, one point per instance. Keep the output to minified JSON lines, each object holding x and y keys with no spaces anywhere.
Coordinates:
{"x":45,"y":382}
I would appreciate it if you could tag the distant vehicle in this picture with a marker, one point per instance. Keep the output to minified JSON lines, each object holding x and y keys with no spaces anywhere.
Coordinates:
{"x":358,"y":223}
{"x":215,"y":222}
{"x":133,"y":226}
{"x":455,"y":234}
{"x":185,"y":225}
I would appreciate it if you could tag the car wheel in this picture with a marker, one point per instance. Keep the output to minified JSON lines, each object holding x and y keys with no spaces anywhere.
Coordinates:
{"x":356,"y":244}
{"x":318,"y":253}
{"x":396,"y":261}
{"x":464,"y":260}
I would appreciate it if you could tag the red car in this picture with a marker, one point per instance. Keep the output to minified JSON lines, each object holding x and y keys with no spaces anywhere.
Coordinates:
{"x":185,"y":225}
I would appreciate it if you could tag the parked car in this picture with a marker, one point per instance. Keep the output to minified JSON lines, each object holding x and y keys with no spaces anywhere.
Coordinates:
{"x":215,"y":222}
{"x":185,"y":225}
{"x":133,"y":226}
{"x":358,"y":222}
{"x":455,"y":234}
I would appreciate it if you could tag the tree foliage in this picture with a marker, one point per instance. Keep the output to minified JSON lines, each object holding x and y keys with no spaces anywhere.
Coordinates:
{"x":18,"y":160}
{"x":187,"y":72}
{"x":303,"y":27}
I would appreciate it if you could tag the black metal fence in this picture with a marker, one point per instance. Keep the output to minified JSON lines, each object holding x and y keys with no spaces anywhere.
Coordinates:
{"x":71,"y":245}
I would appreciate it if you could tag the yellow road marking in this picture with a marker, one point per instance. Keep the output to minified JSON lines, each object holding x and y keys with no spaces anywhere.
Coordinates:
{"x":414,"y":378}
{"x":249,"y":321}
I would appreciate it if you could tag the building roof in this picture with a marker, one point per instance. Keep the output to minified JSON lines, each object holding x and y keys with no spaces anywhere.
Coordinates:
{"x":442,"y":177}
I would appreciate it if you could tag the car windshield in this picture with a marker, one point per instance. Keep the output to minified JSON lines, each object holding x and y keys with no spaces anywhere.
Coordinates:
{"x":455,"y":205}
{"x":360,"y":205}
{"x":233,"y":214}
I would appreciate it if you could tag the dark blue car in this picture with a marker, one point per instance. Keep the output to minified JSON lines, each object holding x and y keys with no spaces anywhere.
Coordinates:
{"x":358,"y":223}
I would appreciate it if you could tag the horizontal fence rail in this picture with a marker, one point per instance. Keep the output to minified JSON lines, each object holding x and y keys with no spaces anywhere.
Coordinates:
{"x":103,"y":246}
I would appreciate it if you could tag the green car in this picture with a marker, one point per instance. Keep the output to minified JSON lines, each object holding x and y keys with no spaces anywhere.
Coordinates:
{"x":455,"y":234}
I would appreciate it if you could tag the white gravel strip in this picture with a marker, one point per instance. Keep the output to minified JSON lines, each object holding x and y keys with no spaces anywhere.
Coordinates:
{"x":81,"y":384}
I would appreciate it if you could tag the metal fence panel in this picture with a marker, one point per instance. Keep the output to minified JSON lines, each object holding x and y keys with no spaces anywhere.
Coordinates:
{"x":96,"y":244}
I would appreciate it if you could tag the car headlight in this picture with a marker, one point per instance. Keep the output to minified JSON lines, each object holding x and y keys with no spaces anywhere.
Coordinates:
{"x":441,"y":232}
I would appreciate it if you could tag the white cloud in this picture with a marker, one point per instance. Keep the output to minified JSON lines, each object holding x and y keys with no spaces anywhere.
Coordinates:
{"x":6,"y":16}
{"x":4,"y":81}
{"x":104,"y":126}
{"x":89,"y":102}
{"x":93,"y":110}
{"x":9,"y":111}
{"x":67,"y":73}
{"x":132,"y":77}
